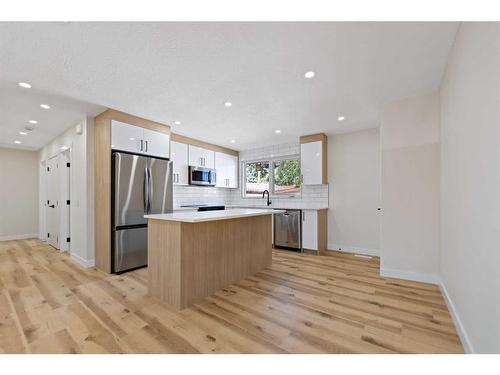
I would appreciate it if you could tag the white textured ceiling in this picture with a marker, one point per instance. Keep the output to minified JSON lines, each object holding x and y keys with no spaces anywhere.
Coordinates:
{"x":186,"y":71}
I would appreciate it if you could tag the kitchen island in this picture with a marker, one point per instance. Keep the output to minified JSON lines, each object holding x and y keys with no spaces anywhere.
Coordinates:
{"x":191,"y":255}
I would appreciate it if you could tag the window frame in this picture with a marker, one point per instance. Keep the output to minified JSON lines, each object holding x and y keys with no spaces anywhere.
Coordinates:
{"x":271,"y":162}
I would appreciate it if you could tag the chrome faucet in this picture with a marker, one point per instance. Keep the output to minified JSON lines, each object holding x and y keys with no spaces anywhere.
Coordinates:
{"x":263,"y":195}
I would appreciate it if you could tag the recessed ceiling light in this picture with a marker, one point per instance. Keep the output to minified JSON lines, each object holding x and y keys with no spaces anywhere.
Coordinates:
{"x":233,"y":141}
{"x":177,"y":122}
{"x":17,"y":142}
{"x":228,"y":104}
{"x":132,"y":139}
{"x":64,"y":148}
{"x":45,"y":106}
{"x":277,"y":131}
{"x":25,"y":85}
{"x":23,"y":133}
{"x":33,"y":122}
{"x":341,"y":118}
{"x":309,"y":74}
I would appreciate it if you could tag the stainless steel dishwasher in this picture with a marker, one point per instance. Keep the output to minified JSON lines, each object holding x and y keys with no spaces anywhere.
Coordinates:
{"x":287,"y":230}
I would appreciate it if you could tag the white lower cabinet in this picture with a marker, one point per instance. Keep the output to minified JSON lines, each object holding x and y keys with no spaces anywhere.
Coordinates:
{"x":315,"y":230}
{"x":310,"y":229}
{"x":179,"y":157}
{"x":226,"y":167}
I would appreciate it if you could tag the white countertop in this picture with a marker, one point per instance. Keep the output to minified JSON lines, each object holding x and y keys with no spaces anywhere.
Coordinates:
{"x":197,"y":217}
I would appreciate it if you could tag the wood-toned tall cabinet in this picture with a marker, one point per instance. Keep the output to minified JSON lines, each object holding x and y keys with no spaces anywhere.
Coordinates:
{"x":103,"y":178}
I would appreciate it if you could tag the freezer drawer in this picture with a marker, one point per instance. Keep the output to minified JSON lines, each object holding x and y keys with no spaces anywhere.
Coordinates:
{"x":287,"y":231}
{"x":130,"y":248}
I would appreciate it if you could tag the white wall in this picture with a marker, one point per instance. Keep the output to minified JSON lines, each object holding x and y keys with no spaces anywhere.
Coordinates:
{"x":354,"y":183}
{"x":410,"y":173}
{"x":81,"y":186}
{"x":18,"y":194}
{"x":470,"y":184}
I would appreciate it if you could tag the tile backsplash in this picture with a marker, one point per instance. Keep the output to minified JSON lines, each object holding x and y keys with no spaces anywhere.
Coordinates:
{"x":188,"y":195}
{"x":315,"y":196}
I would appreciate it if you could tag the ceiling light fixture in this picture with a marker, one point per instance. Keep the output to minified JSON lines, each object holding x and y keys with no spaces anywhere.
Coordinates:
{"x":341,"y":118}
{"x":132,"y":139}
{"x":64,"y":148}
{"x":233,"y":141}
{"x":45,"y":106}
{"x":25,"y":85}
{"x":177,"y":122}
{"x":17,"y":142}
{"x":23,"y":133}
{"x":277,"y":131}
{"x":228,"y":104}
{"x":309,"y":74}
{"x":33,"y":122}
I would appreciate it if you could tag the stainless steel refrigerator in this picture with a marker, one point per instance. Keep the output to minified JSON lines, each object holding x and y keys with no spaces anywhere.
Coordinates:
{"x":141,"y":185}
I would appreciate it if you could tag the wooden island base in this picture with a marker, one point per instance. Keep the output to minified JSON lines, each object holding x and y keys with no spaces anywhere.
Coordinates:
{"x":190,"y":261}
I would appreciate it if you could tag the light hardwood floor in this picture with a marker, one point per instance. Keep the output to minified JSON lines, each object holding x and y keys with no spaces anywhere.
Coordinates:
{"x":301,"y":304}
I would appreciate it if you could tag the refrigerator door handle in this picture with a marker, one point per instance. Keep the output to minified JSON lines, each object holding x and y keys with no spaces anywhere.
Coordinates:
{"x":118,"y":161}
{"x":146,"y":190}
{"x":150,"y":189}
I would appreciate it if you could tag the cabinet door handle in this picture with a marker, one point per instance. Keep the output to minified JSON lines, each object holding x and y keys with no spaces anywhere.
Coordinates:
{"x":303,"y":216}
{"x":302,"y":178}
{"x":142,"y":144}
{"x":146,"y":146}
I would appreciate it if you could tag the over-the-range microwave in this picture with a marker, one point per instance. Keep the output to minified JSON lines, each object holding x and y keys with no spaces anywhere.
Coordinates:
{"x":202,"y":176}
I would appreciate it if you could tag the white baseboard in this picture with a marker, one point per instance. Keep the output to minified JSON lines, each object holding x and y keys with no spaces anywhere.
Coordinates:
{"x":464,"y":338}
{"x":409,"y":275}
{"x":83,"y":262}
{"x":18,"y":237}
{"x":354,"y":250}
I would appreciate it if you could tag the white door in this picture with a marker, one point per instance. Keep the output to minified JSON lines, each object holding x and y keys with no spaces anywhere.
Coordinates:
{"x":232,"y":171}
{"x":126,"y":137}
{"x":310,"y":229}
{"x":156,"y":143}
{"x":221,"y":169}
{"x":52,"y":203}
{"x":195,"y":156}
{"x":64,"y":200}
{"x":208,"y":158}
{"x":311,"y":163}
{"x":227,"y":170}
{"x":179,"y":158}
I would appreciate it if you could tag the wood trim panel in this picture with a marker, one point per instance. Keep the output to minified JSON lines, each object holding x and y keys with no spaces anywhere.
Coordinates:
{"x":322,"y":231}
{"x":112,"y":114}
{"x":313,"y":138}
{"x":102,"y":191}
{"x":190,"y":261}
{"x":324,"y":162}
{"x":183,"y":139}
{"x":102,"y":184}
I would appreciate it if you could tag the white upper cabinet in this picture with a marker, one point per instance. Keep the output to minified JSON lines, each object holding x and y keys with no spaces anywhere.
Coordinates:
{"x":179,"y":158}
{"x":156,"y":143}
{"x":201,"y":157}
{"x":126,"y":137}
{"x":226,"y":167}
{"x":313,"y":160}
